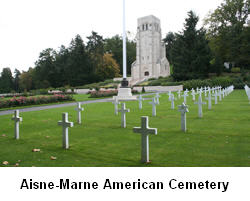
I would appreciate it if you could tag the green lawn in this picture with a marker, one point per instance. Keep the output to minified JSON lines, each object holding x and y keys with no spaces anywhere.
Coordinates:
{"x":220,"y":138}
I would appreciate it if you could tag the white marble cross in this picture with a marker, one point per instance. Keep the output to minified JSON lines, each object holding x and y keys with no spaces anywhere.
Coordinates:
{"x":200,"y":103}
{"x":185,"y":95}
{"x":153,"y":103}
{"x":193,"y":94}
{"x":157,"y":96}
{"x":17,"y":119}
{"x":220,"y":94}
{"x":223,"y":93}
{"x":123,"y":112}
{"x":209,"y":98}
{"x":205,"y":91}
{"x":79,"y":109}
{"x":169,"y":95}
{"x":179,"y":94}
{"x":116,"y":103}
{"x":197,"y":90}
{"x":183,"y":109}
{"x":172,"y":101}
{"x":145,"y":131}
{"x":215,"y":97}
{"x":65,"y":126}
{"x":140,"y":99}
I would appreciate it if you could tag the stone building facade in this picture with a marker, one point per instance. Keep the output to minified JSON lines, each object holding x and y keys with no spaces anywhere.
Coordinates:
{"x":151,"y":61}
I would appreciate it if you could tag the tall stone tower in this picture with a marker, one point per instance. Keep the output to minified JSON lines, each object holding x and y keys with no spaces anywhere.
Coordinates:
{"x":151,"y":61}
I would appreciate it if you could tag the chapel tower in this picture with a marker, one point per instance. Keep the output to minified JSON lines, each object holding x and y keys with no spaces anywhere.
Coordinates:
{"x":151,"y":61}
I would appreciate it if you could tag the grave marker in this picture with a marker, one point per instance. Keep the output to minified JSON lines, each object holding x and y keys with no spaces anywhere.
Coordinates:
{"x":16,"y":120}
{"x":209,"y":98}
{"x":172,"y":101}
{"x":200,"y":103}
{"x":183,"y":109}
{"x":157,"y":96}
{"x":123,"y":112}
{"x":116,"y":103}
{"x":153,"y":103}
{"x":65,"y":126}
{"x":185,"y":95}
{"x":179,"y":94}
{"x":215,"y":97}
{"x":145,"y":131}
{"x":193,"y":94}
{"x":79,"y":109}
{"x":140,"y":99}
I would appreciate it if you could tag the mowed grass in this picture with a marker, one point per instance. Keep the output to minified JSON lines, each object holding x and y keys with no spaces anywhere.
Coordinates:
{"x":220,"y":138}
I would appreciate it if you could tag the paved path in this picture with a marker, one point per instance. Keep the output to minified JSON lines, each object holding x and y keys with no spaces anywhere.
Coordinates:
{"x":38,"y":108}
{"x":53,"y":106}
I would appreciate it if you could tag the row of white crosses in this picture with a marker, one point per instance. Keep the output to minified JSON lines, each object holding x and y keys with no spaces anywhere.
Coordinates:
{"x":144,"y":130}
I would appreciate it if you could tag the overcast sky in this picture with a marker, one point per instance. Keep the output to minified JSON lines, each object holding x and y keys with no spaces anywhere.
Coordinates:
{"x":29,"y":26}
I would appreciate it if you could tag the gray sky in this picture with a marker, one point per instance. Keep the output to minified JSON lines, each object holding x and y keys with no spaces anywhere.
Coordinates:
{"x":29,"y":26}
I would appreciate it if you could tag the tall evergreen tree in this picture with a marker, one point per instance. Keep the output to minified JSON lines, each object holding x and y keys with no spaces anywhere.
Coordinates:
{"x":190,"y":52}
{"x":16,"y":80}
{"x":6,"y":81}
{"x":169,"y":41}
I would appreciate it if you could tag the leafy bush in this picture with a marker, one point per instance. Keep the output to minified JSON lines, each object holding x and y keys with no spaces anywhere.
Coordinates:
{"x":217,"y":81}
{"x":235,"y":70}
{"x":34,"y":100}
{"x":106,"y":93}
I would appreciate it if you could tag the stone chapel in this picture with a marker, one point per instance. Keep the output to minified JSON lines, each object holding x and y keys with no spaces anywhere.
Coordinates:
{"x":151,"y":61}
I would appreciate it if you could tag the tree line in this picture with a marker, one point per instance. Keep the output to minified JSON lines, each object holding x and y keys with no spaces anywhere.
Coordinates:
{"x":81,"y":63}
{"x":193,"y":53}
{"x":224,"y":38}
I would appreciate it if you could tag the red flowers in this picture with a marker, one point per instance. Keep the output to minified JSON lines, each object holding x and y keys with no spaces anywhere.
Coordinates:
{"x":34,"y":100}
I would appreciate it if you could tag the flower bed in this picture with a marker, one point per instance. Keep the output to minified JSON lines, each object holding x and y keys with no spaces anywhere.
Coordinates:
{"x":106,"y":93}
{"x":34,"y":100}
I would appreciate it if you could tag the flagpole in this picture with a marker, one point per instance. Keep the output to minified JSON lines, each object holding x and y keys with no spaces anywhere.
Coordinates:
{"x":124,"y":42}
{"x":124,"y":82}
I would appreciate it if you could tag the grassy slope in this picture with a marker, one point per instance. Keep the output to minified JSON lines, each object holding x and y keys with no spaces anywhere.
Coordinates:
{"x":221,"y":138}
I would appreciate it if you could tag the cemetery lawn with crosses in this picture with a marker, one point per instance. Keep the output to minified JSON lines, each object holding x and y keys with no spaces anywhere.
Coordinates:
{"x":220,"y":138}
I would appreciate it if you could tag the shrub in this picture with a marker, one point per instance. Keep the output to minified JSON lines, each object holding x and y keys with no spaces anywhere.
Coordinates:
{"x":101,"y":93}
{"x":217,"y":81}
{"x":34,"y":100}
{"x":235,"y":70}
{"x":106,"y":93}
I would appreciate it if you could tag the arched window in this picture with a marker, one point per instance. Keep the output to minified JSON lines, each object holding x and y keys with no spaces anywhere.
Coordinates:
{"x":146,"y":73}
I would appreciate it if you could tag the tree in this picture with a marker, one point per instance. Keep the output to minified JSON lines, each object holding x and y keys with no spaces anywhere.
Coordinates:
{"x":109,"y":69}
{"x":6,"y":81}
{"x":25,"y":80}
{"x":79,"y":69}
{"x":114,"y":45}
{"x":16,"y":80}
{"x":190,"y":52}
{"x":225,"y":31}
{"x":169,"y":41}
{"x":45,"y":68}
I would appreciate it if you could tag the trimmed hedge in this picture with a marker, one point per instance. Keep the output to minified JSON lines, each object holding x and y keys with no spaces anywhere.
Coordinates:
{"x":107,"y":93}
{"x":218,"y":81}
{"x":34,"y":100}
